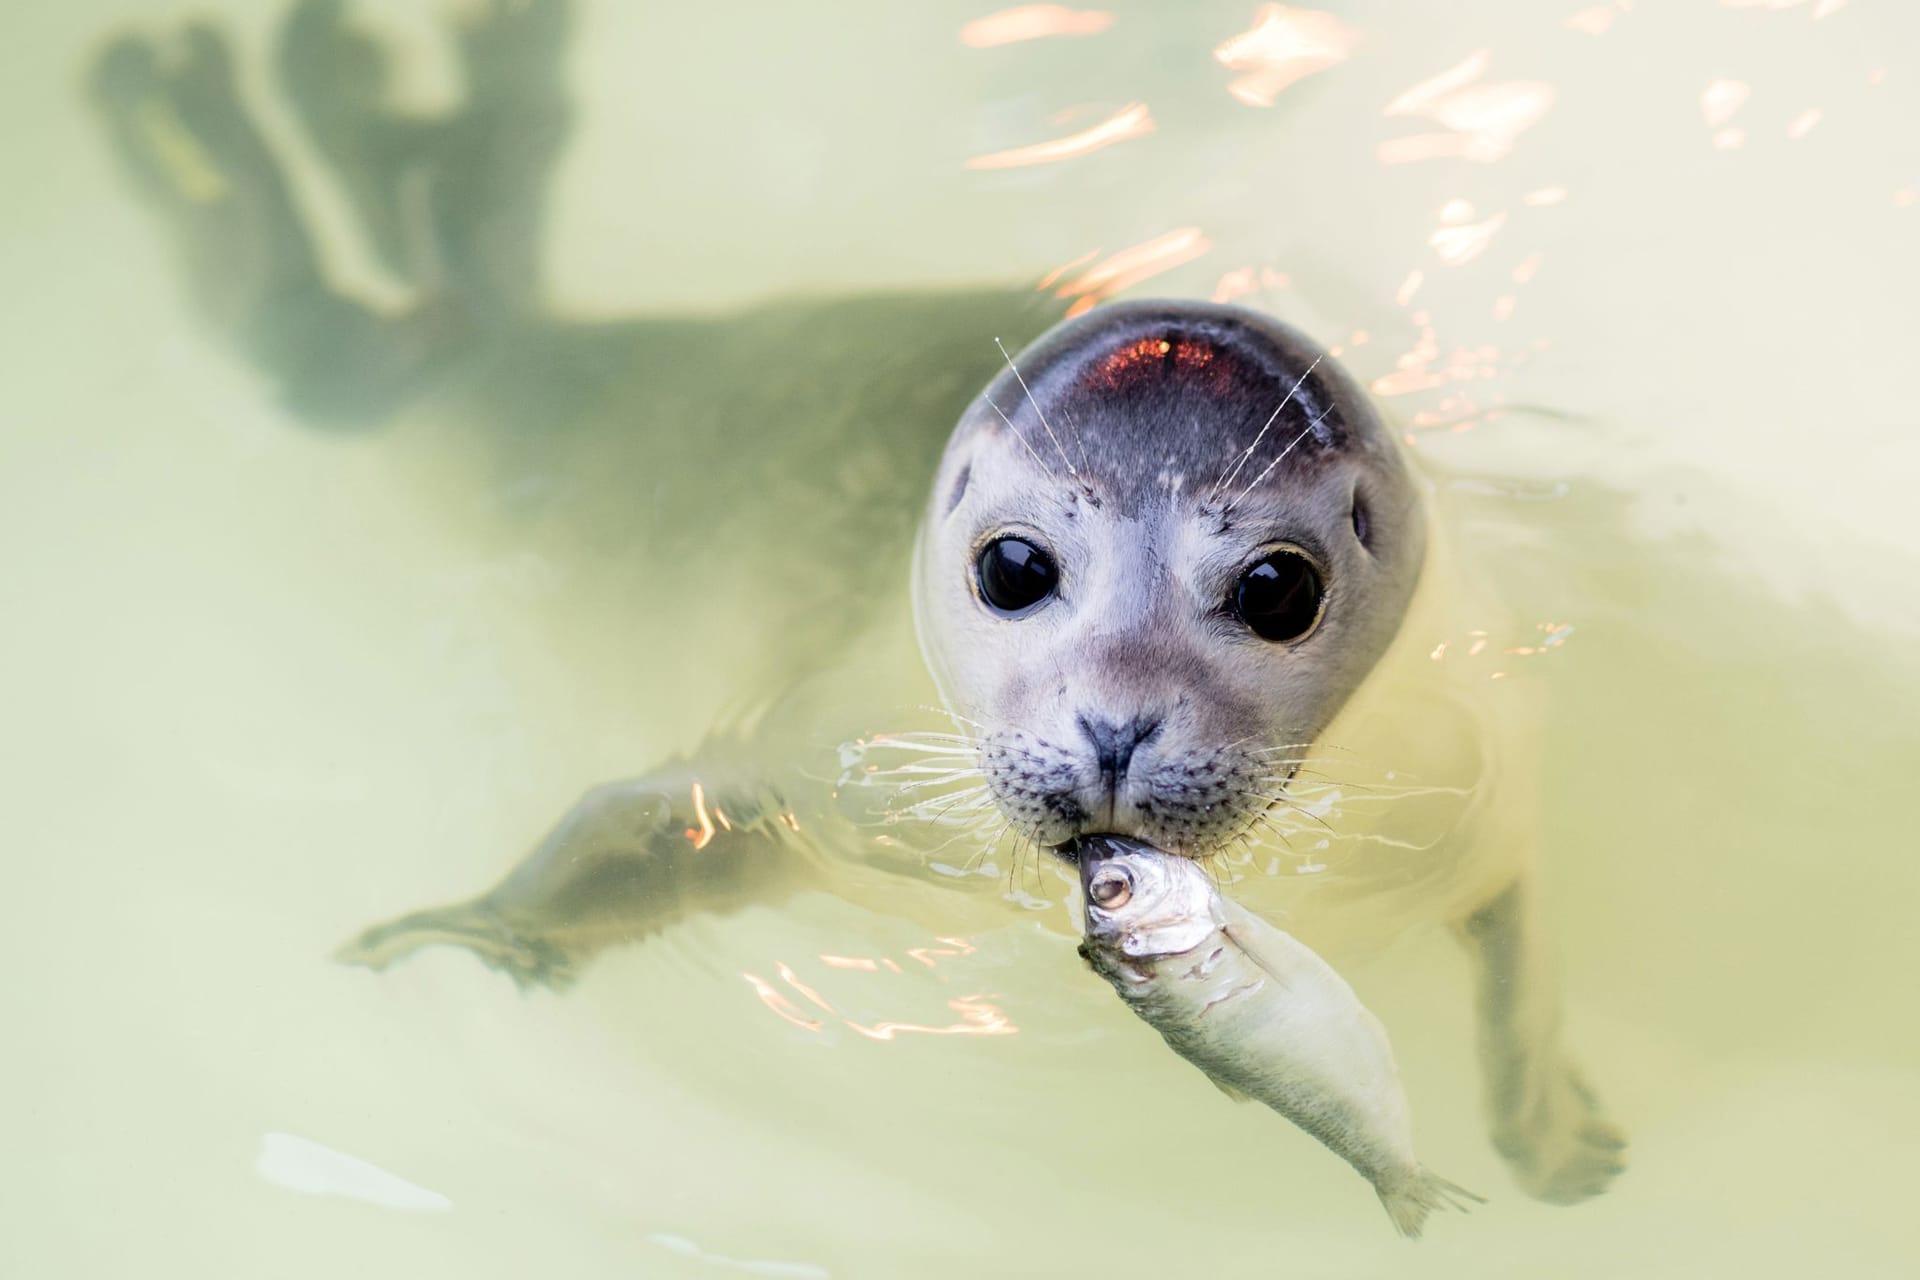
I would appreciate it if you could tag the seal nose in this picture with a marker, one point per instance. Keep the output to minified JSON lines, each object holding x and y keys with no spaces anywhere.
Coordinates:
{"x":1114,"y":744}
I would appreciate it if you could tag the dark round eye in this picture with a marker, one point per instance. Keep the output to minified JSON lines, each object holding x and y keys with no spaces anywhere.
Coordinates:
{"x":1015,"y":575}
{"x":1279,"y":598}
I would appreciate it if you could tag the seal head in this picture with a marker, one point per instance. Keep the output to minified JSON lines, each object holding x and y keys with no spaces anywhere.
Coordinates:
{"x":1162,"y":550}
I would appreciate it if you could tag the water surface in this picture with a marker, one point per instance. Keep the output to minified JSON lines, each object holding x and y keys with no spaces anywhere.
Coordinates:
{"x":1638,"y":284}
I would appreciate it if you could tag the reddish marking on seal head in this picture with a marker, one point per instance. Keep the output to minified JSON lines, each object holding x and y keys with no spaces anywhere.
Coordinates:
{"x":1146,"y":357}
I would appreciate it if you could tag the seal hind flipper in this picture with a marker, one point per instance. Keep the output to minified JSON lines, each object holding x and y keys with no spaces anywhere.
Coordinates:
{"x":452,"y":202}
{"x":529,"y":959}
{"x":180,"y":132}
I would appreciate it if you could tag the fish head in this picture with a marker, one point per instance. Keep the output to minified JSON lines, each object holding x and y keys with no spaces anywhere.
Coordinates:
{"x":1141,"y":902}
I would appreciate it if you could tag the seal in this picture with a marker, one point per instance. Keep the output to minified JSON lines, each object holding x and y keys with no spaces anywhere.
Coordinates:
{"x":1162,"y":553}
{"x":1167,"y":563}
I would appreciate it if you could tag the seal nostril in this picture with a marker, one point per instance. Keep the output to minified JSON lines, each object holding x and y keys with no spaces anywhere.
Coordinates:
{"x":1114,"y":744}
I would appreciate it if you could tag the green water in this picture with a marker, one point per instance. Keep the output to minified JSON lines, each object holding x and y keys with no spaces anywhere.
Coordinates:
{"x":265,"y":684}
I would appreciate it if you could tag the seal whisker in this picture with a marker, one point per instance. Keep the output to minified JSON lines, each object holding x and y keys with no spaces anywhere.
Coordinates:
{"x":955,"y":800}
{"x":1297,"y":746}
{"x":974,"y":799}
{"x":1037,"y":865}
{"x":956,"y":717}
{"x":1307,"y":781}
{"x":971,"y":832}
{"x":924,"y":765}
{"x":1389,"y":794}
{"x":1290,"y":770}
{"x":964,"y":816}
{"x":1285,"y":803}
{"x":927,"y":765}
{"x":942,"y":808}
{"x":977,"y":828}
{"x":946,"y":844}
{"x":1021,"y":378}
{"x":1266,"y":823}
{"x":921,"y":741}
{"x":978,"y":781}
{"x":1304,"y":433}
{"x":948,"y":772}
{"x":1278,"y":759}
{"x":1369,"y":790}
{"x":922,"y":786}
{"x":960,"y":828}
{"x":951,"y":799}
{"x":933,"y":759}
{"x":989,"y":846}
{"x":1079,"y":441}
{"x":1226,"y":477}
{"x":928,"y":777}
{"x":1022,"y":439}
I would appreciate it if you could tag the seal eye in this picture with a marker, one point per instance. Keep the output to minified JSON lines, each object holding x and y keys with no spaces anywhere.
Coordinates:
{"x":1015,"y":575}
{"x":1110,"y":888}
{"x":1279,"y":598}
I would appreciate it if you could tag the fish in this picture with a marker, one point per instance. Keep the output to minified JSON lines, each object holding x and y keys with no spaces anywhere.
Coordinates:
{"x":1257,"y":1011}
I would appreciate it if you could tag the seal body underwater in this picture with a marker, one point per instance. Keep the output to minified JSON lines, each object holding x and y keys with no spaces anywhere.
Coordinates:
{"x":1173,"y":578}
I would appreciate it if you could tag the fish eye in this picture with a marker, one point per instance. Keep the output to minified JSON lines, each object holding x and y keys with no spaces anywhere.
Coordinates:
{"x":1280,"y":596}
{"x":1015,"y":576}
{"x":1110,"y":887}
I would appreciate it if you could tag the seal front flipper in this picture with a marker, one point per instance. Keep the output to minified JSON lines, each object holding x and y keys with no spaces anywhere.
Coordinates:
{"x":627,"y":860}
{"x":1546,"y":1121}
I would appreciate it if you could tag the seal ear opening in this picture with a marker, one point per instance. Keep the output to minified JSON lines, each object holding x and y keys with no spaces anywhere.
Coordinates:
{"x":959,"y":490}
{"x":1361,"y":525}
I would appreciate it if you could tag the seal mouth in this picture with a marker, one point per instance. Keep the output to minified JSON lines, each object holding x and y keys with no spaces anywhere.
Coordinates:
{"x":1098,"y":846}
{"x":1081,"y":849}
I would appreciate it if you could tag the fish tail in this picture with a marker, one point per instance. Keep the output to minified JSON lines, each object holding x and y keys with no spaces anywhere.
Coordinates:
{"x":1412,"y":1196}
